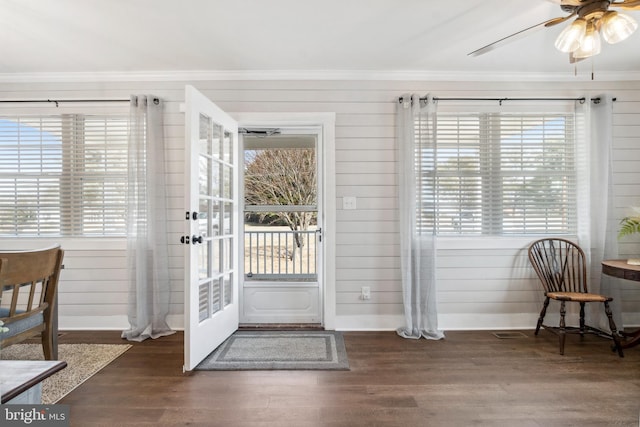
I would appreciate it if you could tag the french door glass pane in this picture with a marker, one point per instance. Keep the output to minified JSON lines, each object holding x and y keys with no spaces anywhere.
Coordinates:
{"x":227,"y":223}
{"x":204,"y":164}
{"x":215,"y":179}
{"x":227,"y":147}
{"x":204,"y":217}
{"x":216,"y":256}
{"x":228,"y":294}
{"x":204,"y":269}
{"x":227,"y":185}
{"x":216,"y":149}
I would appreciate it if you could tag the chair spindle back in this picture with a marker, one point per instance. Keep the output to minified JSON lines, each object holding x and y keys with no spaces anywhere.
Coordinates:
{"x":560,"y":264}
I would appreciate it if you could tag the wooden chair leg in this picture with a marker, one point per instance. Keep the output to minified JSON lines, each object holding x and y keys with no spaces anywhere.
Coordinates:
{"x":561,"y":329}
{"x":543,"y":312}
{"x":582,"y":319}
{"x":614,"y":330}
{"x":49,"y":345}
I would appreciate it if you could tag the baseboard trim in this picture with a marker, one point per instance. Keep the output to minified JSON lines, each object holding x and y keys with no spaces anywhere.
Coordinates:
{"x":450,"y":322}
{"x":446,"y":322}
{"x":108,"y":323}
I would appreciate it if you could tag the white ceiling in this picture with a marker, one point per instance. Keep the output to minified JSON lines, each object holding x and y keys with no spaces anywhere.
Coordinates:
{"x":379,"y":37}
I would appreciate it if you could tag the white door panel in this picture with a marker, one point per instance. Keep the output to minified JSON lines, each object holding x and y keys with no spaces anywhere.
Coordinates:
{"x":211,"y":279}
{"x":281,"y":304}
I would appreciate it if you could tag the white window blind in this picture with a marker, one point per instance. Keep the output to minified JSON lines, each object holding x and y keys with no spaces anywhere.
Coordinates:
{"x":498,"y":174}
{"x":63,"y":175}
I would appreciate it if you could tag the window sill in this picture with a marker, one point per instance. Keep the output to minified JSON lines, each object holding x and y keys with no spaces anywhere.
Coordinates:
{"x":488,"y":242}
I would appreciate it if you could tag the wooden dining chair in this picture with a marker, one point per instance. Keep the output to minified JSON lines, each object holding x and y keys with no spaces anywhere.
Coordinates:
{"x":561,"y":266}
{"x":28,"y":297}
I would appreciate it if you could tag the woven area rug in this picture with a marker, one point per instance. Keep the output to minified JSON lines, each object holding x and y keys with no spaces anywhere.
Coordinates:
{"x":83,"y":361}
{"x":271,"y":350}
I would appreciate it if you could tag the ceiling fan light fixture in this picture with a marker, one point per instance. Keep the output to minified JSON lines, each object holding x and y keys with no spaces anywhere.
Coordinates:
{"x":570,"y":38}
{"x":590,"y":44}
{"x":616,"y":27}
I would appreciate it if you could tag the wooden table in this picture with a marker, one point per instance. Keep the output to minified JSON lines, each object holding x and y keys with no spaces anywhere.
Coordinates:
{"x":620,"y":269}
{"x":21,"y":380}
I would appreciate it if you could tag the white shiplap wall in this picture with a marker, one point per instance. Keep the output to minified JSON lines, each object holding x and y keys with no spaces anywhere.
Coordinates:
{"x":483,"y":283}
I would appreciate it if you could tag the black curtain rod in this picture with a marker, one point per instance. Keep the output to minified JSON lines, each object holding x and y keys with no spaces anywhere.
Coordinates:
{"x":501,"y":100}
{"x":58,"y":101}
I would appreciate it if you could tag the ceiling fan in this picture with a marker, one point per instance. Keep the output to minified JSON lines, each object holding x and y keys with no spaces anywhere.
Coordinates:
{"x":581,"y":39}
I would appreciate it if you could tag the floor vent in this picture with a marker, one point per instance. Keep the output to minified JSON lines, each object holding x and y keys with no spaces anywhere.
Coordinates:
{"x":509,"y":335}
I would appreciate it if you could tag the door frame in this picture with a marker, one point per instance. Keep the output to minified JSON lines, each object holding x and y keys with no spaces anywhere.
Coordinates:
{"x":326,"y":149}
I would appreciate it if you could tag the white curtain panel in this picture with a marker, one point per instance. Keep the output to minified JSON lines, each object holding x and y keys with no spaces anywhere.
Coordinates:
{"x":417,"y":245}
{"x":597,"y":225}
{"x":147,"y":248}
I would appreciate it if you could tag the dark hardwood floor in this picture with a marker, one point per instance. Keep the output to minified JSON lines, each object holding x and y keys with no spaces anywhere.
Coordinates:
{"x":470,"y":378}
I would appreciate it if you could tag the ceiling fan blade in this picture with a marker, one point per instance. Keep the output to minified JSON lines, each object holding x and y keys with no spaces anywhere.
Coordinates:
{"x":627,"y":5}
{"x":519,"y":34}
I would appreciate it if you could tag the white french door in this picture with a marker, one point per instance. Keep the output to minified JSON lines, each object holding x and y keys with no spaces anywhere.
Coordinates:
{"x":211,"y":239}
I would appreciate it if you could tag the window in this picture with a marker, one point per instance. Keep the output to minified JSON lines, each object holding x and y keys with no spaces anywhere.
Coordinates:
{"x":498,"y":174}
{"x":63,"y":175}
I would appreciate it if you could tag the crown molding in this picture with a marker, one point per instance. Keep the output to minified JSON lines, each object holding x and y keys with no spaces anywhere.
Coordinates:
{"x":363,"y":75}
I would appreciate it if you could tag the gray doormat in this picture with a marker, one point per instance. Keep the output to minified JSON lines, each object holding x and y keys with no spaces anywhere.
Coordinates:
{"x":271,"y":350}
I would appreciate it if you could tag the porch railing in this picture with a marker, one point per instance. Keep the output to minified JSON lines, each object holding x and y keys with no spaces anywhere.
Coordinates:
{"x":280,"y":255}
